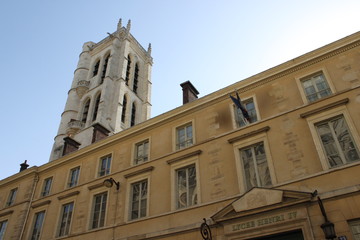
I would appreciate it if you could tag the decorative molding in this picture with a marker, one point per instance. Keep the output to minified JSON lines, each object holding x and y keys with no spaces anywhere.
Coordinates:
{"x":6,"y":213}
{"x":41,"y":204}
{"x":191,"y":154}
{"x":323,"y":108}
{"x":249,"y":134}
{"x":98,"y":185}
{"x":68,"y":195}
{"x":144,"y":170}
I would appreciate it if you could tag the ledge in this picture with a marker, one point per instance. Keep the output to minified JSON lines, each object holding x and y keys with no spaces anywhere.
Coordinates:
{"x":6,"y":213}
{"x":98,"y":185}
{"x":148,"y":169}
{"x":249,"y":134}
{"x":41,"y":204}
{"x":68,"y":195}
{"x":191,"y":154}
{"x":323,"y":108}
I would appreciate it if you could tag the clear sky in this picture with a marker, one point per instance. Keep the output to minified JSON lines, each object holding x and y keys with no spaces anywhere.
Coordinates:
{"x":211,"y":43}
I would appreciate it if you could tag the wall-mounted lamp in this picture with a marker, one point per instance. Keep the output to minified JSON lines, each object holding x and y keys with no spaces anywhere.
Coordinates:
{"x":110,"y":182}
{"x":328,"y":227}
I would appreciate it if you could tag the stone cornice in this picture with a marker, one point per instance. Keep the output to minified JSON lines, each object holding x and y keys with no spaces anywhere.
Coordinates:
{"x":68,"y":195}
{"x":249,"y":134}
{"x":323,"y":108}
{"x":36,"y":205}
{"x":144,"y":170}
{"x":188,"y":155}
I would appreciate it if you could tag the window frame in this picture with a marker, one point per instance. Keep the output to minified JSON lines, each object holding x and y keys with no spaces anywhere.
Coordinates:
{"x":352,"y":223}
{"x":60,"y":219}
{"x":39,"y":231}
{"x":131,"y":199}
{"x":146,"y":155}
{"x":107,"y":169}
{"x":45,"y":190}
{"x":3,"y":228}
{"x":11,"y":197}
{"x":301,"y":78}
{"x":326,"y":116}
{"x":70,"y":183}
{"x":176,"y":136}
{"x":102,"y":211}
{"x":248,"y":142}
{"x":194,"y":160}
{"x":234,"y":111}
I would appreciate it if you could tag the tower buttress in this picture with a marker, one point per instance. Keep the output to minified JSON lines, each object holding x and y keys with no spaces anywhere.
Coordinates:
{"x":117,"y":67}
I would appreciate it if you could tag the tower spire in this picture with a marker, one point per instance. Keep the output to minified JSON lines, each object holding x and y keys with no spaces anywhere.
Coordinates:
{"x":119,"y":25}
{"x":128,"y":26}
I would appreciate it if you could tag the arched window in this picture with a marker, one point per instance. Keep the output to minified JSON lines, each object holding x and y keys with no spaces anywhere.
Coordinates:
{"x":85,"y":111}
{"x":123,"y":113}
{"x":96,"y":68}
{"x":96,"y":108}
{"x":104,"y":68}
{"x":133,"y":113}
{"x":127,"y":77}
{"x":136,"y":78}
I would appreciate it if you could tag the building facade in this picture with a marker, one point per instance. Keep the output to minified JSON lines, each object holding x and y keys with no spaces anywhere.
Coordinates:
{"x":286,"y":168}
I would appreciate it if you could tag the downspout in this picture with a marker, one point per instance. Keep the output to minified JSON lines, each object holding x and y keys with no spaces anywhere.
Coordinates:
{"x":36,"y":180}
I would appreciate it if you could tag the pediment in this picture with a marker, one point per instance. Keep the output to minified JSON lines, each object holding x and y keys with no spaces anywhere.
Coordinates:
{"x":260,"y":200}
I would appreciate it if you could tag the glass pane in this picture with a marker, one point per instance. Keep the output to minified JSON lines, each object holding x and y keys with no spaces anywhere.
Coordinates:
{"x":181,"y":188}
{"x":329,"y":145}
{"x":249,"y":169}
{"x":262,"y":166}
{"x":192,"y":186}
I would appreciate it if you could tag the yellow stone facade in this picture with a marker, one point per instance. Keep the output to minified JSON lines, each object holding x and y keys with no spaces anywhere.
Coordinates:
{"x":262,"y":180}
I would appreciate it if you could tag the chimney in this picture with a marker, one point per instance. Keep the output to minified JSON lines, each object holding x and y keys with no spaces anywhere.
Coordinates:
{"x":23,"y":166}
{"x":189,"y":92}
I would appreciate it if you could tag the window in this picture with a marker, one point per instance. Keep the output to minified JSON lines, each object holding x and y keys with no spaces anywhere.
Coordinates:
{"x":98,"y":210}
{"x":355,"y":229}
{"x":337,"y":142}
{"x":38,"y":222}
{"x":186,"y":187}
{"x":46,"y":187}
{"x":85,"y":111}
{"x":96,"y":68}
{"x":128,"y":67}
{"x":133,"y":113}
{"x":136,"y":78}
{"x":255,"y":166}
{"x":74,"y":177}
{"x":11,"y":198}
{"x":104,"y":68}
{"x":316,"y":87}
{"x":250,"y":107}
{"x":65,"y":219}
{"x":96,"y":107}
{"x":141,"y":152}
{"x":184,"y":136}
{"x":2,"y":229}
{"x":138,"y":199}
{"x":104,"y":168}
{"x":123,"y":113}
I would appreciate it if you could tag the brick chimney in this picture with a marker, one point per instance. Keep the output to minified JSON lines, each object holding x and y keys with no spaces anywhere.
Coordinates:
{"x":189,"y":92}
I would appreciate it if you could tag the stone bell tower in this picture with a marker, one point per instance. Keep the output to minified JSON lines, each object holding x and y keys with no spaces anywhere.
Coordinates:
{"x":109,"y":93}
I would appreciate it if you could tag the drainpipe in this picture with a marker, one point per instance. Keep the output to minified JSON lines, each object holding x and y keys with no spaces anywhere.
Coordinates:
{"x":36,"y":180}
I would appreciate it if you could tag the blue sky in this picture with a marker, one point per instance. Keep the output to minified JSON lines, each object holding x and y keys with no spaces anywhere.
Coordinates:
{"x":211,"y":43}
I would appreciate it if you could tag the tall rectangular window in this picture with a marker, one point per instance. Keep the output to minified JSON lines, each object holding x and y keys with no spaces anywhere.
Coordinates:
{"x":11,"y":197}
{"x":74,"y":177}
{"x":46,"y":187}
{"x":184,"y":136}
{"x":337,"y":142}
{"x":355,"y":229}
{"x":250,"y":107}
{"x":104,"y":167}
{"x":2,"y":229}
{"x":255,"y":166}
{"x":138,"y":199}
{"x":99,"y":210}
{"x":141,"y":152}
{"x":186,"y":194}
{"x":65,"y":219}
{"x":316,"y":87}
{"x":38,"y":223}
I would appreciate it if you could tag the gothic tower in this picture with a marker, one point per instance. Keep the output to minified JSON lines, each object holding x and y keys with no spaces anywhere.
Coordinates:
{"x":109,"y":93}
